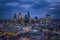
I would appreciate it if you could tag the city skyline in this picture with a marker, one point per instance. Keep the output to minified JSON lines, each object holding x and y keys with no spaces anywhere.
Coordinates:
{"x":19,"y":15}
{"x":28,"y":13}
{"x":37,"y":8}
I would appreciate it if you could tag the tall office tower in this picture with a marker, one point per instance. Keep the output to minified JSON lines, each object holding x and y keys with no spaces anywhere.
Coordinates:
{"x":48,"y":20}
{"x":36,"y":19}
{"x":28,"y":16}
{"x":19,"y":17}
{"x":15,"y":17}
{"x":26,"y":19}
{"x":25,"y":16}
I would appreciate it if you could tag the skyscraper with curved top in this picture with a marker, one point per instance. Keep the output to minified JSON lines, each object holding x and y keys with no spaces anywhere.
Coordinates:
{"x":48,"y":19}
{"x":19,"y":17}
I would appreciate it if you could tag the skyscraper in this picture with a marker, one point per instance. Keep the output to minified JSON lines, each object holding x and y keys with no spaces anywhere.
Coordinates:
{"x":36,"y":19}
{"x":28,"y":15}
{"x":26,"y":19}
{"x":20,"y":17}
{"x":48,"y":20}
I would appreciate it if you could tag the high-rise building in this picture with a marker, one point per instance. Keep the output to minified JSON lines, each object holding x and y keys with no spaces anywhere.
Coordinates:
{"x":28,"y":15}
{"x":36,"y":19}
{"x":15,"y":17}
{"x":26,"y":19}
{"x":25,"y":16}
{"x":20,"y":17}
{"x":48,"y":20}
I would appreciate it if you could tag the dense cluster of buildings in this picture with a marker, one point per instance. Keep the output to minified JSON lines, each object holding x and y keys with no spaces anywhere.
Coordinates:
{"x":28,"y":19}
{"x":43,"y":27}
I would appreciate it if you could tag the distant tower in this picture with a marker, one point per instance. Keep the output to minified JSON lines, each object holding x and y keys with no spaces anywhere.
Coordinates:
{"x":28,"y":15}
{"x":26,"y":19}
{"x":20,"y":17}
{"x":36,"y":19}
{"x":48,"y":20}
{"x":14,"y":17}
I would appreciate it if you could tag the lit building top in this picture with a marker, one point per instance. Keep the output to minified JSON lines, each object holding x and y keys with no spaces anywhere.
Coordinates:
{"x":48,"y":20}
{"x":19,"y":15}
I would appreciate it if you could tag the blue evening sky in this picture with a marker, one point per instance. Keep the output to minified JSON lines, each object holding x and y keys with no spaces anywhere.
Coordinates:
{"x":37,"y":8}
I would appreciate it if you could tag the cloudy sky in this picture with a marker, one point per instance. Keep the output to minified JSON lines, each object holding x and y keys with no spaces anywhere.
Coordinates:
{"x":37,"y":8}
